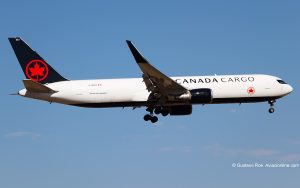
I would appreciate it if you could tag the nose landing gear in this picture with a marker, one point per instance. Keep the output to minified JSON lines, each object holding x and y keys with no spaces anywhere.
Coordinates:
{"x":271,"y":109}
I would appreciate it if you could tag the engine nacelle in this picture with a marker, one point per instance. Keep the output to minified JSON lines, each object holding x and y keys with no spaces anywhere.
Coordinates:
{"x":180,"y":110}
{"x":201,"y":96}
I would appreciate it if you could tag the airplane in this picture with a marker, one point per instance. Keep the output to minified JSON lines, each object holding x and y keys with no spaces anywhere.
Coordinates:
{"x":156,"y":91}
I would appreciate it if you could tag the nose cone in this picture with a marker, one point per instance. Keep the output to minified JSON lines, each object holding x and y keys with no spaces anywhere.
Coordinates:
{"x":288,"y":89}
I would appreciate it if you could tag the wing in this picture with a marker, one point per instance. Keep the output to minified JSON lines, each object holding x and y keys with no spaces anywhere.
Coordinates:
{"x":156,"y":81}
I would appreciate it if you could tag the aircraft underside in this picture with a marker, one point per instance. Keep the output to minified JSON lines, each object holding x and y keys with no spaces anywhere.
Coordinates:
{"x":177,"y":109}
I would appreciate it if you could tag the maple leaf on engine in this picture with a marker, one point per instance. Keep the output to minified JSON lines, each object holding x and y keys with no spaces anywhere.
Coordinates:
{"x":37,"y":70}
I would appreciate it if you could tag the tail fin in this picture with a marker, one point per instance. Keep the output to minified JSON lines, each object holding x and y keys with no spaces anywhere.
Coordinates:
{"x":34,"y":66}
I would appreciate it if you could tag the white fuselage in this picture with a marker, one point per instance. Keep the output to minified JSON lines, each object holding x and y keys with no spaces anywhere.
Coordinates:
{"x":133,"y":92}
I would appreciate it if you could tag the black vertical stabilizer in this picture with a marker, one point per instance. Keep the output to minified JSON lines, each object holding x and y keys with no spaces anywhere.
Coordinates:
{"x":33,"y":65}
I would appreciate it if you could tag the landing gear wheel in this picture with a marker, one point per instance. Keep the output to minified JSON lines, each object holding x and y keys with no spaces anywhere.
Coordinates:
{"x":271,"y":110}
{"x":164,"y":112}
{"x":150,"y":110}
{"x":154,"y":119}
{"x":157,"y":110}
{"x":147,"y":117}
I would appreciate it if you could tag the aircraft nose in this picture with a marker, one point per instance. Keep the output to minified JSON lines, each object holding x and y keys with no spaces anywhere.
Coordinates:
{"x":289,"y":89}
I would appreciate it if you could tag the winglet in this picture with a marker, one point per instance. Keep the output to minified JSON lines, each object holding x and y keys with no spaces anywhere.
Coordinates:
{"x":136,"y":54}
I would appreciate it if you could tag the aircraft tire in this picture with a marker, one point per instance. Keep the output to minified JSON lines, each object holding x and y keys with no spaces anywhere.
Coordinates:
{"x":271,"y":110}
{"x":154,"y":119}
{"x":164,"y":112}
{"x":157,"y":110}
{"x":147,"y":117}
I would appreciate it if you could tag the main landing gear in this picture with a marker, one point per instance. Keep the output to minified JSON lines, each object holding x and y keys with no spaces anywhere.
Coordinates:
{"x":157,"y":110}
{"x":151,"y":117}
{"x":271,"y":109}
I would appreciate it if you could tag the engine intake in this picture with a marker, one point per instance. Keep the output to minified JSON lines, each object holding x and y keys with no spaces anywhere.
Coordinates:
{"x":201,"y":96}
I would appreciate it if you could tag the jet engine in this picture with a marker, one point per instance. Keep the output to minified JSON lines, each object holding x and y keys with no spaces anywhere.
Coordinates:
{"x":201,"y":96}
{"x":180,"y":110}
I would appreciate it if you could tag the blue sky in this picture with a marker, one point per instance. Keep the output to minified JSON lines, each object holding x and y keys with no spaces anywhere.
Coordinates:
{"x":43,"y":145}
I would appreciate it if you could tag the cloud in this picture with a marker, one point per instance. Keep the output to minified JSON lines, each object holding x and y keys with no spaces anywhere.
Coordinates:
{"x":25,"y":134}
{"x":294,"y":142}
{"x":218,"y":150}
{"x":290,"y":158}
{"x":260,"y":152}
{"x":257,"y":153}
{"x":233,"y":110}
{"x":168,"y":149}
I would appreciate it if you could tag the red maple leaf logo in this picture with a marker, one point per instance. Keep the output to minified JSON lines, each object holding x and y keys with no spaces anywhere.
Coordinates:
{"x":37,"y":70}
{"x":251,"y":90}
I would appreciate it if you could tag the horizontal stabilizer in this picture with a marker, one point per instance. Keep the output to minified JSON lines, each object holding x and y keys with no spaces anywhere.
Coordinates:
{"x":36,"y":87}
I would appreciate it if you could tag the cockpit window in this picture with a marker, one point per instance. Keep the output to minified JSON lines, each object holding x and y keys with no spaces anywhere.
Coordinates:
{"x":281,"y":81}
